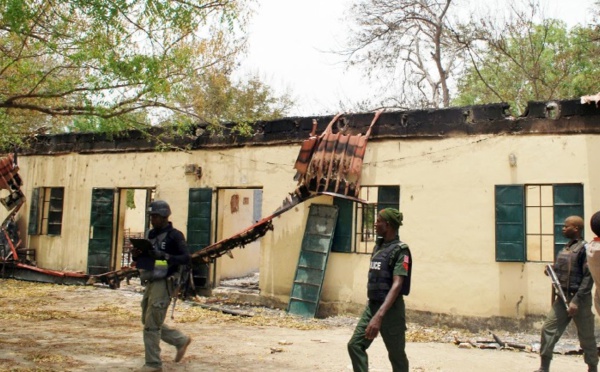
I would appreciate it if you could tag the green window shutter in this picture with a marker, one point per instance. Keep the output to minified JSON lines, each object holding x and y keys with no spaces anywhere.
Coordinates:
{"x":388,"y":197}
{"x":55,"y":211}
{"x":34,"y":213}
{"x":342,"y":238}
{"x":510,"y":223}
{"x":199,"y":218}
{"x":568,"y":201}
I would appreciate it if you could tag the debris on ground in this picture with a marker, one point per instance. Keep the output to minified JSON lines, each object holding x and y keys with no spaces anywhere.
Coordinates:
{"x":28,"y":296}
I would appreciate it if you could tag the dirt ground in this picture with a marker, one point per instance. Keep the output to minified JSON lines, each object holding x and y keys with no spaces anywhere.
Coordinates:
{"x":46,"y":327}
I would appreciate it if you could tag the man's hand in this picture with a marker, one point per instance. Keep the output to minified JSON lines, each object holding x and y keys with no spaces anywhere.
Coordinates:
{"x":373,"y":328}
{"x":572,"y":310}
{"x":135,"y":253}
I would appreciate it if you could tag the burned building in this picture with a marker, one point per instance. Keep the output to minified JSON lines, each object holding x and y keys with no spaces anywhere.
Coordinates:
{"x":483,"y":196}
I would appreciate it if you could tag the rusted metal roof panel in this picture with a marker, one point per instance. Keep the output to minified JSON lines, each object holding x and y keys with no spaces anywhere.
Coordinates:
{"x":332,"y":162}
{"x":9,"y":170}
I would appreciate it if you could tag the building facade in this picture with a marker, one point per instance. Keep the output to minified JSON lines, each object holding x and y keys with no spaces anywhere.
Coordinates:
{"x":483,"y":195}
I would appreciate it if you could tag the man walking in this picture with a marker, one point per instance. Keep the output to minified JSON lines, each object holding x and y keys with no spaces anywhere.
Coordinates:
{"x":572,"y":271}
{"x":158,"y":265}
{"x":593,"y":258}
{"x":389,"y":280}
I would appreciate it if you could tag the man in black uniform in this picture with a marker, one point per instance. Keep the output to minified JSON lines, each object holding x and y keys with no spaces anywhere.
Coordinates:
{"x":389,"y":281}
{"x":158,"y":268}
{"x":574,"y":276}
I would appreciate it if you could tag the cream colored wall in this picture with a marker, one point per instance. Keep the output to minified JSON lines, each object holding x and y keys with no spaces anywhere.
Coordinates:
{"x":346,"y":278}
{"x":447,"y":197}
{"x":245,"y":261}
{"x":281,"y":249}
{"x":593,"y":191}
{"x":271,"y":166}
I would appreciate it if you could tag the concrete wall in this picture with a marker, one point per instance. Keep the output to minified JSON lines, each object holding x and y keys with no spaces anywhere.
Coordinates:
{"x":79,"y":174}
{"x":447,"y":197}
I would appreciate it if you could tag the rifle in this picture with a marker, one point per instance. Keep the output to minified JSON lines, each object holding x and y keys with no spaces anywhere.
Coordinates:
{"x":177,"y":281}
{"x":556,"y":284}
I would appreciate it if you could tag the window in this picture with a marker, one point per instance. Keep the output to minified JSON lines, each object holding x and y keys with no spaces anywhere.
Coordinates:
{"x":46,"y":210}
{"x":529,"y":219}
{"x":355,"y":227}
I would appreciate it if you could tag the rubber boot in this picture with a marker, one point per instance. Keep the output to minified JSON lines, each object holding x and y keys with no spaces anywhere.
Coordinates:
{"x":592,"y":368}
{"x":544,"y":366}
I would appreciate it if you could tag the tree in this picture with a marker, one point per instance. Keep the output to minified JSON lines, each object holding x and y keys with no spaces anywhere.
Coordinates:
{"x":410,"y":43}
{"x":435,"y":54}
{"x":524,"y":61}
{"x":216,"y":98}
{"x":114,"y":64}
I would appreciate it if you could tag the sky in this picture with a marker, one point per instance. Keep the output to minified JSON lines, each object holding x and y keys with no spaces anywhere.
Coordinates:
{"x":290,"y":44}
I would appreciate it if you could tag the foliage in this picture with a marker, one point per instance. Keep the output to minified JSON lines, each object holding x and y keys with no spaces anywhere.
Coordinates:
{"x":215,"y":98}
{"x":425,"y":54}
{"x":109,"y":65}
{"x":526,"y":62}
{"x":130,"y":199}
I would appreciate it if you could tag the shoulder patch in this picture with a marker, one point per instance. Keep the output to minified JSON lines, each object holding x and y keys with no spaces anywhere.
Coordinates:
{"x":406,"y":262}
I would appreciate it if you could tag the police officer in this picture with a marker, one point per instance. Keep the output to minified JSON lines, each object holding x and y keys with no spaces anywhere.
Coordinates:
{"x":572,"y":271}
{"x":389,"y":281}
{"x":157,"y":267}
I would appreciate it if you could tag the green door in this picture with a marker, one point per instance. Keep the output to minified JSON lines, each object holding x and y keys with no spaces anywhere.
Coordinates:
{"x":198,"y":230}
{"x":316,"y":244}
{"x":101,"y":231}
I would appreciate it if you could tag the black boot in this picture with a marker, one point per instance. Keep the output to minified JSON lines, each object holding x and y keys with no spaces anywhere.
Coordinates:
{"x":545,"y":366}
{"x":592,"y":368}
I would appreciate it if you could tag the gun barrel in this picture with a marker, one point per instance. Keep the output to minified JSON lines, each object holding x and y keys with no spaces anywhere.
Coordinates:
{"x":556,"y":284}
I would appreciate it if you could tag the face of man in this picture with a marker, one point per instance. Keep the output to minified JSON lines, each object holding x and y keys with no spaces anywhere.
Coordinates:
{"x":569,"y":229}
{"x":381,"y":226}
{"x":158,"y":221}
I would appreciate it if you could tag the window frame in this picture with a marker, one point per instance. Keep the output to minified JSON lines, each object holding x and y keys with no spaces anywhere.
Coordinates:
{"x":46,"y":211}
{"x":511,"y":229}
{"x":355,"y":237}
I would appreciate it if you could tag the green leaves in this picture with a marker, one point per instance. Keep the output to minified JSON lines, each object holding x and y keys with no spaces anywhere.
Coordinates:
{"x":112,"y":64}
{"x":427,"y":54}
{"x":531,"y":62}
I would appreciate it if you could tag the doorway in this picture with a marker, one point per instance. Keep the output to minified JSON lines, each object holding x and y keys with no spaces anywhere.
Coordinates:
{"x":116,"y":214}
